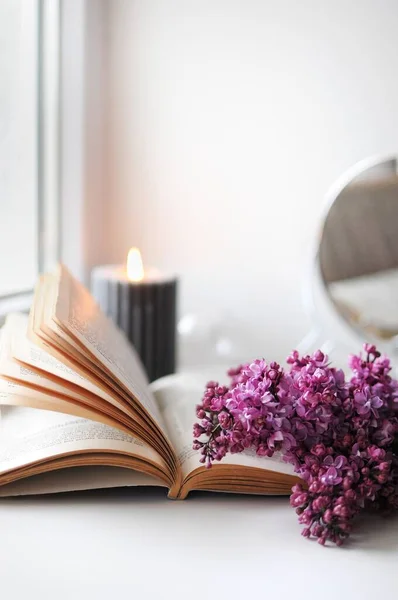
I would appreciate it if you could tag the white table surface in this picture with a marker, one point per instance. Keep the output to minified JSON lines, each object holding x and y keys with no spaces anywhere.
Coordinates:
{"x":134,"y":543}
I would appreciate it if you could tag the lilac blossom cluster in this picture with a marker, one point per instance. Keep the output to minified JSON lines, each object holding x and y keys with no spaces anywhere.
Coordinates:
{"x":340,"y":436}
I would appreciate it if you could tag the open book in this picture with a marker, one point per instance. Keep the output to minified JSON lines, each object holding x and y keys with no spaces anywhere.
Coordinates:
{"x":78,"y":413}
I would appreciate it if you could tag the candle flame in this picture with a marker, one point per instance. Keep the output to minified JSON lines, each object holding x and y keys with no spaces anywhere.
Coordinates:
{"x":135,"y":268}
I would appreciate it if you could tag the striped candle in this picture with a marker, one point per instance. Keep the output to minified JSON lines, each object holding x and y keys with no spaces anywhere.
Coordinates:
{"x":144,"y":307}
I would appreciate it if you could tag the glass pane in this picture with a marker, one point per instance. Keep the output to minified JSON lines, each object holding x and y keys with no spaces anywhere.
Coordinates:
{"x":18,"y":145}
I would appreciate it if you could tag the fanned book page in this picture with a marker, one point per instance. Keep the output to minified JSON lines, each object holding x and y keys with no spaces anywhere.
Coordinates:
{"x":78,"y":412}
{"x":39,"y":438}
{"x":66,"y":322}
{"x":76,"y":311}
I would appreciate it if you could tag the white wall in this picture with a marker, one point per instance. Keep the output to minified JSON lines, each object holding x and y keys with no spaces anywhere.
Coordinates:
{"x":228,"y":122}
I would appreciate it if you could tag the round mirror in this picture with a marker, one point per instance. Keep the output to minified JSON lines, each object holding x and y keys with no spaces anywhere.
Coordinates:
{"x":358,"y":253}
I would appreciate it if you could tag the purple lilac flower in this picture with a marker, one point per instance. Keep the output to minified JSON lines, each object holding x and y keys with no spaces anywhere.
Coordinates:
{"x":339,"y":435}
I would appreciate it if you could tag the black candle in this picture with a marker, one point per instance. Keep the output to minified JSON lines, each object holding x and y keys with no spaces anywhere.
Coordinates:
{"x":143,"y":304}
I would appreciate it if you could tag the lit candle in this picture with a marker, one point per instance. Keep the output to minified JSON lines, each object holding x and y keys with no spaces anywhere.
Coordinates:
{"x":142,"y":303}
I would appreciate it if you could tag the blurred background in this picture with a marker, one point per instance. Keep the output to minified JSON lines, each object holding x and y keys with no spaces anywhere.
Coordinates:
{"x":248,"y":146}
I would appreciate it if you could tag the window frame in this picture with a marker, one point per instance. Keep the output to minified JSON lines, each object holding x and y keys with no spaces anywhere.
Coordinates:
{"x":47,"y":145}
{"x":83,"y":129}
{"x":48,"y":123}
{"x":71,"y":188}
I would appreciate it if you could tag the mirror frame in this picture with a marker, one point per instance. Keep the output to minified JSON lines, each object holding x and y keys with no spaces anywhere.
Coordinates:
{"x":331,"y":331}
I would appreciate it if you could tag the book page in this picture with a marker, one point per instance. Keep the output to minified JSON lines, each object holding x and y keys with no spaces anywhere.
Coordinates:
{"x":74,"y":479}
{"x":37,"y":391}
{"x":11,"y":369}
{"x":76,"y":310}
{"x":25,"y":351}
{"x":12,"y":393}
{"x":29,"y":435}
{"x":177,"y":397}
{"x":53,"y":334}
{"x":23,"y":360}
